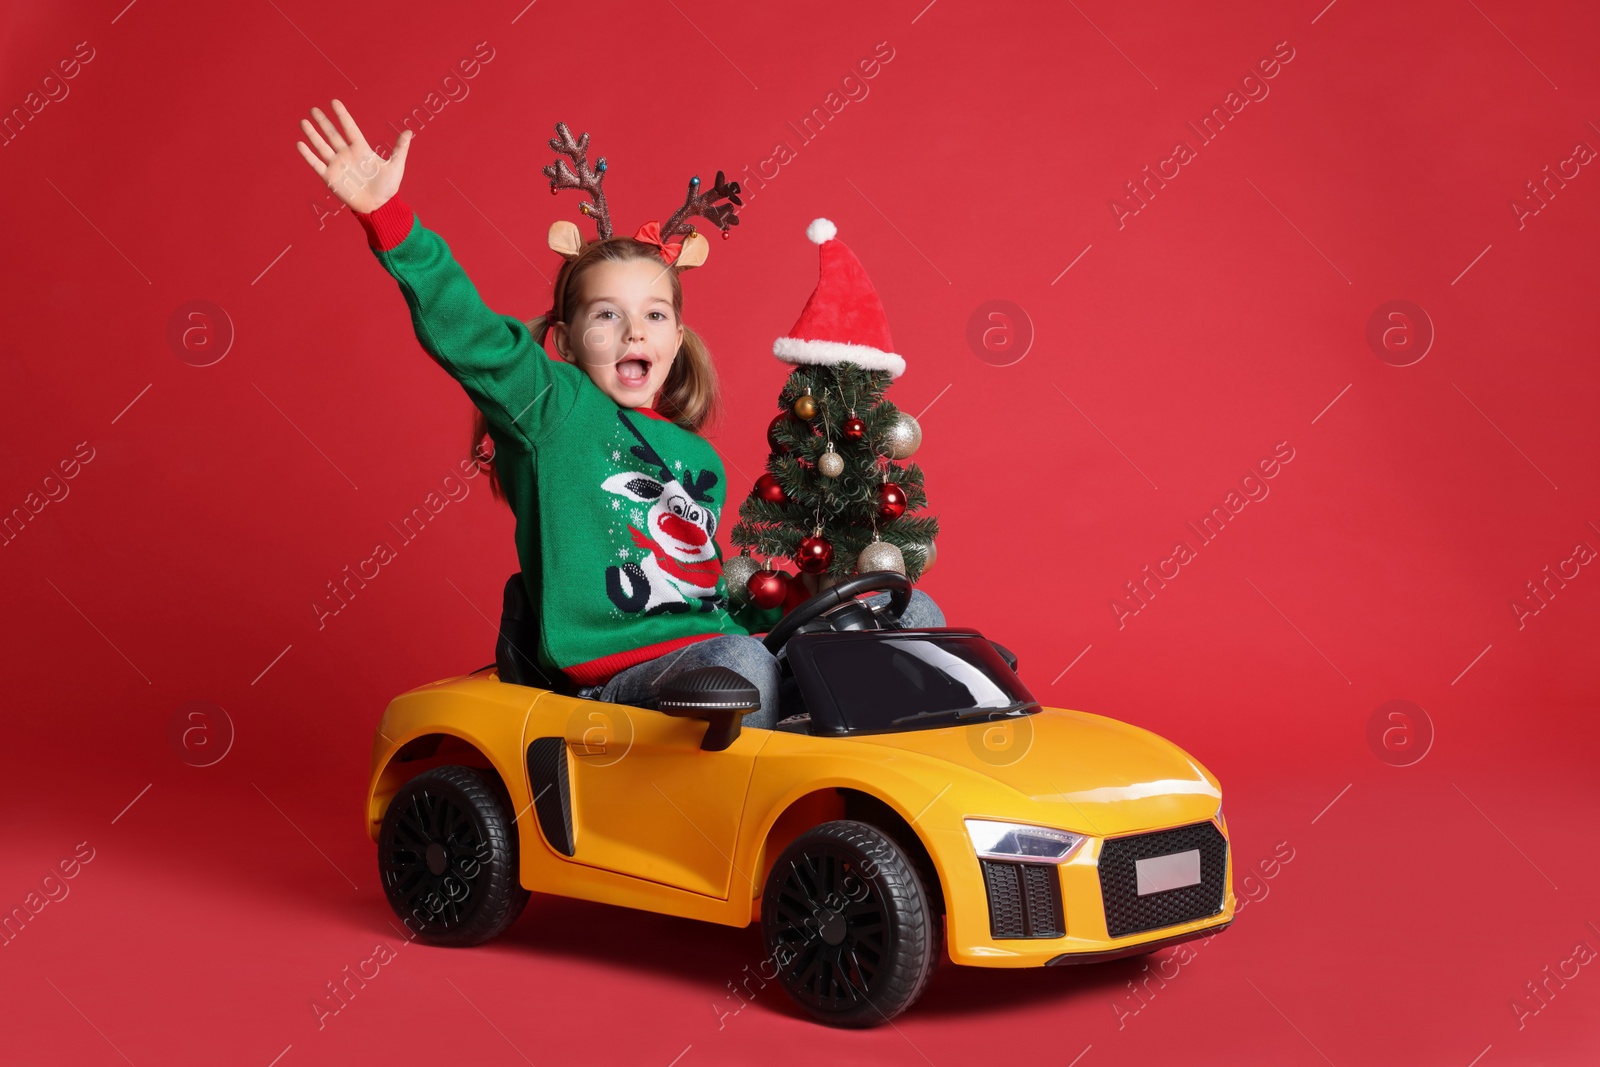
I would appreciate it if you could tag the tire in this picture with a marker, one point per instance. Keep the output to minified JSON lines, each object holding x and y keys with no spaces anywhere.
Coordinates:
{"x":847,"y":925}
{"x":447,"y":857}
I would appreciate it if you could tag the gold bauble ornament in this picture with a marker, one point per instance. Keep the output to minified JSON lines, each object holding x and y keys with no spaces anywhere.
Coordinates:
{"x":805,"y":407}
{"x":880,"y":556}
{"x":904,"y":436}
{"x":830,"y":463}
{"x":929,"y":554}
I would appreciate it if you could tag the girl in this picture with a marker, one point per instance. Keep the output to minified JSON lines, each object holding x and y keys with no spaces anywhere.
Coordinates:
{"x":582,"y":445}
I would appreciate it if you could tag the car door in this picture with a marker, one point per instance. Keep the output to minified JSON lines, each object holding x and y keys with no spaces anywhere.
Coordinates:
{"x":650,"y":803}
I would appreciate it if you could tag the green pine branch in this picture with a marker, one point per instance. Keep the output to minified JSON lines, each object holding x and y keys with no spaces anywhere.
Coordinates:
{"x":847,"y":505}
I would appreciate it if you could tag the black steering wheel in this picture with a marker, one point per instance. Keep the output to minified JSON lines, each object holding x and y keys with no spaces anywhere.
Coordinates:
{"x":898,"y":585}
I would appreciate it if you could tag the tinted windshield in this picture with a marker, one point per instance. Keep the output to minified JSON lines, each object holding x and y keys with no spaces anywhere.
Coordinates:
{"x":867,"y":682}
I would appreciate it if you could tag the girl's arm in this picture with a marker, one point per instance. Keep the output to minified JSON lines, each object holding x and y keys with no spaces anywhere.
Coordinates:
{"x":520,"y":390}
{"x":756,"y":620}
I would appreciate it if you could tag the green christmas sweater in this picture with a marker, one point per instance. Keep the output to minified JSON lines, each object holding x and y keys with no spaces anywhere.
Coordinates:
{"x":616,"y":508}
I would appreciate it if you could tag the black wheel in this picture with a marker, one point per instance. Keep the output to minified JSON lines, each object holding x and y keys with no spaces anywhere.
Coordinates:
{"x":847,"y":925}
{"x":447,"y":857}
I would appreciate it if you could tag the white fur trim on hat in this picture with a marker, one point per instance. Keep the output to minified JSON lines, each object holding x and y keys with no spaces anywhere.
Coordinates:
{"x":821,"y":230}
{"x":797,"y":350}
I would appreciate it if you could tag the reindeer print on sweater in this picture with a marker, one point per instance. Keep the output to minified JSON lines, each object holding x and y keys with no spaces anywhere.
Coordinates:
{"x":673,"y":564}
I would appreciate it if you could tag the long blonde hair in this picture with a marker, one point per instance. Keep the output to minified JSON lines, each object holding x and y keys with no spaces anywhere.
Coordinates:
{"x":689,"y":397}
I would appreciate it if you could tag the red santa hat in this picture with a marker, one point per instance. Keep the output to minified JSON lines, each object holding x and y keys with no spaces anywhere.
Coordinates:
{"x":844,"y":319}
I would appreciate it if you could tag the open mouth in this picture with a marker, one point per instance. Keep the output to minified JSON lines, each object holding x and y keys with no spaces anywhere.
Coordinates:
{"x":634,"y":371}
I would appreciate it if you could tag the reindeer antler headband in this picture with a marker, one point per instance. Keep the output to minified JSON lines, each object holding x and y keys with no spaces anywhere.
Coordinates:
{"x":681,"y":245}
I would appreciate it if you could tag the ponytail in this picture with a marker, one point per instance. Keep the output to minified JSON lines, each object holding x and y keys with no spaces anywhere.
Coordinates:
{"x":482,"y":453}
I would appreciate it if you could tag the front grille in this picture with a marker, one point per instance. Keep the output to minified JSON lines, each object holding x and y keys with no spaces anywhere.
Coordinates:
{"x":1129,"y":913}
{"x":1024,"y":899}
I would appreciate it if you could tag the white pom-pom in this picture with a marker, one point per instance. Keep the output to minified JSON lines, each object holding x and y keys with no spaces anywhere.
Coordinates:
{"x":820,"y":230}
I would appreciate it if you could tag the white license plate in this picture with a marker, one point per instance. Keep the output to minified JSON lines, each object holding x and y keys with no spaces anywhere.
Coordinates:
{"x":1160,"y":873}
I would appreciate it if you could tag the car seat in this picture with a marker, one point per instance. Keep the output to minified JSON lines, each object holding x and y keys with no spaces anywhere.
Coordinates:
{"x":516,"y":650}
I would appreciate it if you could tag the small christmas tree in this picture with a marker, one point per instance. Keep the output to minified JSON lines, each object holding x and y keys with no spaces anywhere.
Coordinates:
{"x":834,"y":499}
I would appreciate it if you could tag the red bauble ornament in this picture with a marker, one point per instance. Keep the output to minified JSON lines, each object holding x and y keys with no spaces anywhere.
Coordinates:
{"x":768,"y":489}
{"x":772,"y":432}
{"x":815,"y":554}
{"x":854,"y":428}
{"x":795,"y":594}
{"x":767,"y":587}
{"x":891,"y":501}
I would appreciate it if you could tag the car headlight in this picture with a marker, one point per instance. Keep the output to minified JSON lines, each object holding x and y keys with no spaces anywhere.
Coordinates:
{"x":993,"y":840}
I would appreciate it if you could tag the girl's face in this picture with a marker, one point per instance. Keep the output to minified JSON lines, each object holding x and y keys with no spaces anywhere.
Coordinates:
{"x":623,"y":331}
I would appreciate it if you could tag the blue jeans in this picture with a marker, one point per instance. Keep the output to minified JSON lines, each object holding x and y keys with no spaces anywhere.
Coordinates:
{"x":748,"y":656}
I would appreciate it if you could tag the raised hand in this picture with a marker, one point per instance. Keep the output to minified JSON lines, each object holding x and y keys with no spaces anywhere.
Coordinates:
{"x":356,"y":174}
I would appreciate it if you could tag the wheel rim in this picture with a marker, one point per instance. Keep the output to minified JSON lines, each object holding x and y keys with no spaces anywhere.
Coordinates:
{"x":830,"y":935}
{"x":435,"y":854}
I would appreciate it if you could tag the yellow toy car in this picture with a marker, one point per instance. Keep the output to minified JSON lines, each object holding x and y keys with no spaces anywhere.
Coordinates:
{"x":922,"y":782}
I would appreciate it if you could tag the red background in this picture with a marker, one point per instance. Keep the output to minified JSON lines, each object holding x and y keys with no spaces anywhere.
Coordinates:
{"x":1228,"y":315}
